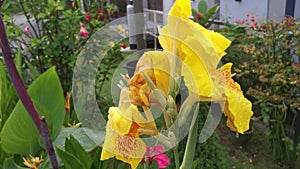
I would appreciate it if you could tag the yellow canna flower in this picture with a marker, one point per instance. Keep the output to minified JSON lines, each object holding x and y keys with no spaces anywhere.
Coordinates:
{"x":201,"y":51}
{"x":202,"y":77}
{"x":125,"y":125}
{"x":151,"y":64}
{"x":179,"y":27}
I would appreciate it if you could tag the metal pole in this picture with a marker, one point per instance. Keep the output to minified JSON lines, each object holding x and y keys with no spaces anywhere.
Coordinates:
{"x":139,"y":23}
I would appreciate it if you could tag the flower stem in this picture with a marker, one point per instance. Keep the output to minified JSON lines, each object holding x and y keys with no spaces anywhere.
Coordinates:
{"x":191,"y":142}
{"x":176,"y":157}
{"x":20,"y":88}
{"x":146,"y":164}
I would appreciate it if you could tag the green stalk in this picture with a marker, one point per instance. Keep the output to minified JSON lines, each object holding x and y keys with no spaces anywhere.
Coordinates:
{"x":176,"y":157}
{"x":146,"y":164}
{"x":188,"y":157}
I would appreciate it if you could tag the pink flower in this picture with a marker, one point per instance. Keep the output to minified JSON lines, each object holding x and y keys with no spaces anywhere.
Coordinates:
{"x":26,"y":30}
{"x":83,"y":31}
{"x":88,"y":17}
{"x":198,"y":16}
{"x":123,"y":45}
{"x":155,"y":153}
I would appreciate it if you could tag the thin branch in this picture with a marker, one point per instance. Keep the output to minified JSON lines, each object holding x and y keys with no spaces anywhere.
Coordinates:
{"x":28,"y":19}
{"x":23,"y":94}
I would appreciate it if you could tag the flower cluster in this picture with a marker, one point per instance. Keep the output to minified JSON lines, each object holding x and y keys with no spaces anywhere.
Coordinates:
{"x":191,"y":54}
{"x":250,"y":20}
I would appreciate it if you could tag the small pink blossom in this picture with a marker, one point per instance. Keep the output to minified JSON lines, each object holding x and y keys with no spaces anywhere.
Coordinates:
{"x":239,"y":21}
{"x":198,"y":16}
{"x":123,"y":45}
{"x":26,"y":30}
{"x":83,"y":31}
{"x":88,"y":17}
{"x":233,"y":167}
{"x":156,"y":153}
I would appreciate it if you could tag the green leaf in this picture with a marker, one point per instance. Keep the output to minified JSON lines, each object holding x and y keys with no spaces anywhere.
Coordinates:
{"x":87,"y":138}
{"x":19,"y":134}
{"x":10,"y":164}
{"x":97,"y":163}
{"x":202,"y":7}
{"x":195,"y":163}
{"x":18,"y":60}
{"x":212,"y":11}
{"x":72,"y":146}
{"x":69,"y":160}
{"x":42,"y":15}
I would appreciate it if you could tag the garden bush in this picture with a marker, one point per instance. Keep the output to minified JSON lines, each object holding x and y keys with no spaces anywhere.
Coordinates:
{"x":53,"y":34}
{"x":266,"y":57}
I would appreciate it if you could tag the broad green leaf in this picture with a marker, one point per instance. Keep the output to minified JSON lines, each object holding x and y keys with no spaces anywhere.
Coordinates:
{"x":87,"y":138}
{"x":72,"y":146}
{"x":69,"y":160}
{"x":19,"y":134}
{"x":202,"y":7}
{"x":10,"y":164}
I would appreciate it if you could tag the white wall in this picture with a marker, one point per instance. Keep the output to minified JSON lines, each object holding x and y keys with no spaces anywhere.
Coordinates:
{"x":167,"y":4}
{"x":230,"y":10}
{"x":277,"y":9}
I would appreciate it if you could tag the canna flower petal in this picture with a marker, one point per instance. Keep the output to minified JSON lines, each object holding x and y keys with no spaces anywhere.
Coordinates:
{"x":156,"y":65}
{"x":201,"y":51}
{"x":181,"y":9}
{"x":237,"y":107}
{"x":125,"y":125}
{"x":179,"y":27}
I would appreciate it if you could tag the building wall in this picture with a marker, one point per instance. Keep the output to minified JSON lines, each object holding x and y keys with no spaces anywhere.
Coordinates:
{"x":230,"y":10}
{"x":276,"y":9}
